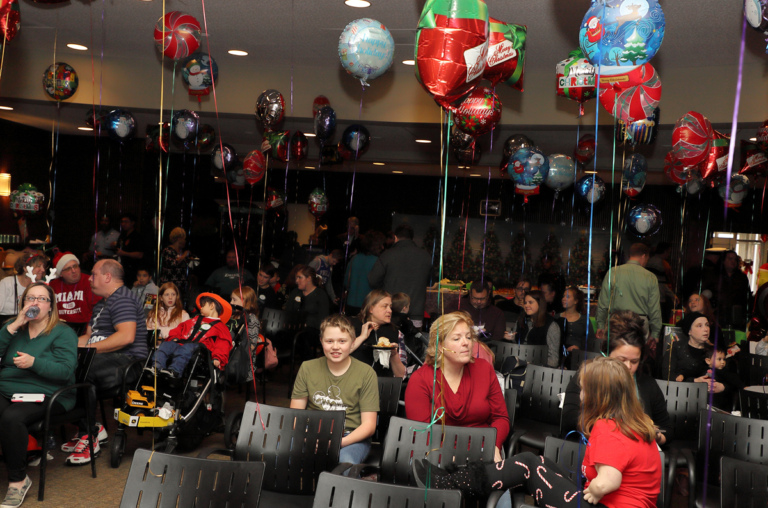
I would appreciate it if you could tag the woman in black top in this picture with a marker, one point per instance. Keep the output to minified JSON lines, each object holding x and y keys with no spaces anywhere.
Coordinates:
{"x":685,"y":360}
{"x":626,"y":345}
{"x":306,"y":298}
{"x":574,"y":323}
{"x":372,"y":324}
{"x":535,"y":327}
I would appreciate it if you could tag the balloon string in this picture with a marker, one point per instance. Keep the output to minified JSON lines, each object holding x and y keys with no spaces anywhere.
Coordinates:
{"x":485,"y":229}
{"x":734,"y":126}
{"x":2,"y":52}
{"x":263,"y":216}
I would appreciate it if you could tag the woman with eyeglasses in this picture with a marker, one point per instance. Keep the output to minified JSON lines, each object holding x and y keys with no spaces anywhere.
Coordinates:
{"x":39,"y":356}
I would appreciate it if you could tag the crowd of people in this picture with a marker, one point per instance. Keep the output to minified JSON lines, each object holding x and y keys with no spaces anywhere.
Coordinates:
{"x":373,"y":325}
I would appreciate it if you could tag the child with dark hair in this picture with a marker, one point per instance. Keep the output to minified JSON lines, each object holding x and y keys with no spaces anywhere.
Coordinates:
{"x":727,"y":384}
{"x":208,"y":329}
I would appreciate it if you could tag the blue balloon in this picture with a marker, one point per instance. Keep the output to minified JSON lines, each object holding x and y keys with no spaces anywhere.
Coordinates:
{"x":122,"y":125}
{"x":325,"y":123}
{"x":562,"y":171}
{"x":528,"y":168}
{"x":355,"y":141}
{"x":366,"y":49}
{"x":634,"y":174}
{"x":590,"y":188}
{"x":621,"y":34}
{"x":644,"y":220}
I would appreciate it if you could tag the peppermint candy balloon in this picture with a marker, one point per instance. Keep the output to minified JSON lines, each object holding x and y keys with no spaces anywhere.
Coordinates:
{"x":177,"y":35}
{"x":254,"y":166}
{"x":691,"y":138}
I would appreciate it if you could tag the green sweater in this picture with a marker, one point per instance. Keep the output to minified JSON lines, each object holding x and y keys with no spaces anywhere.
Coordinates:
{"x":54,"y":367}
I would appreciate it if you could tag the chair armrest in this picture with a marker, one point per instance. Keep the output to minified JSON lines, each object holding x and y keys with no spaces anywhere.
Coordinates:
{"x":493,"y":499}
{"x":688,"y":456}
{"x":206,"y":452}
{"x":671,"y":457}
{"x":60,"y":391}
{"x":512,"y":442}
{"x":342,"y":467}
{"x":124,"y":373}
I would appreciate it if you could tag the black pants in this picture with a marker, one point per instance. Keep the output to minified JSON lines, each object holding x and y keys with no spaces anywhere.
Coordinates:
{"x":15,"y":417}
{"x":540,"y":477}
{"x":105,"y":374}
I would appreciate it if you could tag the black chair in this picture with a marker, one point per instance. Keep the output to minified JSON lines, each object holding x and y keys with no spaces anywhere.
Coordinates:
{"x":295,"y":444}
{"x":754,"y":404}
{"x":83,"y":410}
{"x":569,"y":455}
{"x":389,"y":399}
{"x":340,"y":492}
{"x":510,"y":400}
{"x":536,"y":355}
{"x":729,"y":436}
{"x":744,"y":484}
{"x":578,"y":356}
{"x":538,"y":416}
{"x":280,"y":327}
{"x":160,"y":480}
{"x":758,"y":370}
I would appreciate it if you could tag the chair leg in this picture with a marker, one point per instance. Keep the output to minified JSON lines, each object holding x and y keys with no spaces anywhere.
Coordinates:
{"x":43,"y":463}
{"x":92,"y":435}
{"x":103,"y":414}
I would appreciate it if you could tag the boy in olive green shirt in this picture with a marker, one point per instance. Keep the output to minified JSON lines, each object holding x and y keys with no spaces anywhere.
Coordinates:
{"x":340,"y":382}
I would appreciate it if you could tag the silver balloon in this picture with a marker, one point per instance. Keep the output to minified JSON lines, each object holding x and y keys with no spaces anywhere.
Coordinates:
{"x":270,"y":108}
{"x":460,"y":140}
{"x":562,"y":171}
{"x":644,"y":220}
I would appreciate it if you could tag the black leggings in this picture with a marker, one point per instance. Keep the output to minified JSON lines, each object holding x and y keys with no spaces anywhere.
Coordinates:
{"x":540,"y":477}
{"x":15,"y":417}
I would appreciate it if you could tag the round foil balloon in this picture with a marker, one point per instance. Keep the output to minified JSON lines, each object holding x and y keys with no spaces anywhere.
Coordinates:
{"x":691,"y":138}
{"x":505,"y":62}
{"x":325,"y":123}
{"x":562,"y":171}
{"x":177,"y":35}
{"x":576,"y":79}
{"x":10,"y":18}
{"x":318,"y":203}
{"x":60,"y":81}
{"x":460,"y":139}
{"x":279,"y":141}
{"x":479,"y":112}
{"x":622,"y":33}
{"x":270,"y":109}
{"x":716,"y":161}
{"x":254,"y":166}
{"x":206,"y":136}
{"x":319,"y":103}
{"x":223,"y":157}
{"x":299,"y":146}
{"x":633,"y":102}
{"x":122,"y":125}
{"x":640,"y":132}
{"x":355,"y":140}
{"x":275,"y":199}
{"x":95,"y":116}
{"x":451,"y":47}
{"x":694,"y":184}
{"x":590,"y":189}
{"x":634,"y":175}
{"x":236,"y":177}
{"x":675,"y":170}
{"x":366,"y":49}
{"x":736,"y":191}
{"x":470,"y":155}
{"x":528,"y":168}
{"x":644,"y":220}
{"x":26,"y":200}
{"x":199,"y":73}
{"x":514,"y":143}
{"x":585,"y":149}
{"x":184,"y":125}
{"x":756,"y":12}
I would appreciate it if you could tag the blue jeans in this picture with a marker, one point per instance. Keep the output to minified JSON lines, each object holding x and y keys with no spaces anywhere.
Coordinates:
{"x":179,"y":354}
{"x":356,"y":452}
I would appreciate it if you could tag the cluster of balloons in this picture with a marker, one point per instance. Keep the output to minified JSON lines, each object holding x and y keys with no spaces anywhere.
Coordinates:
{"x":60,"y":81}
{"x":617,"y":39}
{"x":458,"y":45}
{"x":355,"y":139}
{"x":27,"y":200}
{"x":366,"y":49}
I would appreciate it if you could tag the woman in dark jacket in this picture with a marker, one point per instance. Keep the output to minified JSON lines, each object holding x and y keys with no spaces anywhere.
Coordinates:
{"x":536,"y":328}
{"x":313,"y":304}
{"x":626,"y":345}
{"x":373,"y":324}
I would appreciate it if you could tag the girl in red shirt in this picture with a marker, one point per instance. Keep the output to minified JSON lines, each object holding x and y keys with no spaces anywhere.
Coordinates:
{"x":622,"y":464}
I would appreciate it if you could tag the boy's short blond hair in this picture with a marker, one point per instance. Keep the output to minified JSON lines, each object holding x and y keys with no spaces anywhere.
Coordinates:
{"x":337,"y":321}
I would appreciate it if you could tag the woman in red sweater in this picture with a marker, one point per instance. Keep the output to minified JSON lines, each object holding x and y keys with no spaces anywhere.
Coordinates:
{"x":467,"y":388}
{"x":622,"y":464}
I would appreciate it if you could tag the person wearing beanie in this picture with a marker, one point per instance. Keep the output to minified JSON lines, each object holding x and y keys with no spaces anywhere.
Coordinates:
{"x":174,"y":260}
{"x":685,"y":359}
{"x":74,"y":298}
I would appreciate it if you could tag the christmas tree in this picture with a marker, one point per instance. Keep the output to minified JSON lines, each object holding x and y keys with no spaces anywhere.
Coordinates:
{"x":634,"y":49}
{"x":518,"y":260}
{"x":493,"y":266}
{"x":459,"y":263}
{"x":550,"y":261}
{"x":577,"y":263}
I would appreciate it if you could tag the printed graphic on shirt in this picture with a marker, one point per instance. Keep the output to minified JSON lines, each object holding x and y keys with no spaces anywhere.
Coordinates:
{"x":67,"y":301}
{"x":330,"y":401}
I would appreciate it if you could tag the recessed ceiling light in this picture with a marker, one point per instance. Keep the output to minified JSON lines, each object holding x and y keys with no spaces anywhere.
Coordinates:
{"x":398,"y":172}
{"x":409,"y":62}
{"x":357,"y":3}
{"x":78,"y":47}
{"x":309,"y":167}
{"x":753,"y":139}
{"x":590,"y":172}
{"x":474,"y":174}
{"x":237,"y":52}
{"x":309,"y":134}
{"x":424,"y":141}
{"x":6,"y":108}
{"x":378,"y":164}
{"x":85,"y":128}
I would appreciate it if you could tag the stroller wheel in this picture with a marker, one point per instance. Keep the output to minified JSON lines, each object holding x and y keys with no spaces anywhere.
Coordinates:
{"x":117,"y":448}
{"x":232,"y":429}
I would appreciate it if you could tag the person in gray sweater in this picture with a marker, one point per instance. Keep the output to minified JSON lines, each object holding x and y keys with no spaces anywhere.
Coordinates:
{"x":404,"y":268}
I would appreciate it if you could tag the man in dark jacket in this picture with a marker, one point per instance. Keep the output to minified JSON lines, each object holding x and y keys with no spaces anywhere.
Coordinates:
{"x":404,"y":268}
{"x":732,"y":294}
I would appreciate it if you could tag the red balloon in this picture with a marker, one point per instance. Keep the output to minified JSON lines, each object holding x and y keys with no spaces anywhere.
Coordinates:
{"x":254,"y":167}
{"x":319,"y":103}
{"x":675,"y":170}
{"x":612,"y":86}
{"x":177,"y":35}
{"x":575,"y":78}
{"x":691,"y":138}
{"x":716,"y":161}
{"x":762,"y":133}
{"x":756,"y":162}
{"x":298,"y":146}
{"x":479,"y":112}
{"x":634,"y":98}
{"x":451,"y":47}
{"x":505,"y":62}
{"x":585,"y":149}
{"x":10,"y":18}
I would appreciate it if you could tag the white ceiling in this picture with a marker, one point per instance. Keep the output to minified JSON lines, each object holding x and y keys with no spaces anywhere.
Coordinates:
{"x":292,"y":46}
